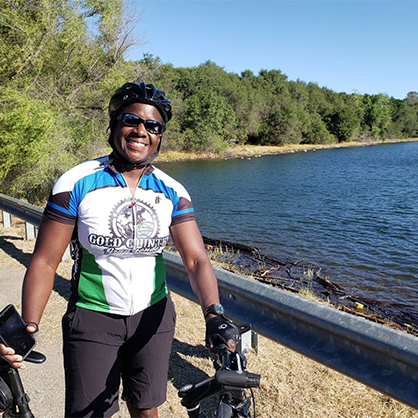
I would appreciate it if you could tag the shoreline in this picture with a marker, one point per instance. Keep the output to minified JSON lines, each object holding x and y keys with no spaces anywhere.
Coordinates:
{"x":250,"y":151}
{"x":308,"y":281}
{"x":321,"y":288}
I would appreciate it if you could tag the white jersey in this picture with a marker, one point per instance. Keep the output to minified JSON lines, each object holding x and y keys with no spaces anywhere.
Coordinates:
{"x":119,"y":240}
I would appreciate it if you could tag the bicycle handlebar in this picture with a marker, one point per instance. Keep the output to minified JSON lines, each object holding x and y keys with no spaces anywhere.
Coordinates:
{"x":244,"y":380}
{"x":230,"y":375}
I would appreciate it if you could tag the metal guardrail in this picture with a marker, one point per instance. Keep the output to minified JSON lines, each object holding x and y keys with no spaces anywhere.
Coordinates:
{"x":26,"y":211}
{"x":378,"y":356}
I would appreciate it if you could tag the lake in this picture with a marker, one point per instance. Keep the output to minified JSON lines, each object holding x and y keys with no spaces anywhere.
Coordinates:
{"x":351,"y":211}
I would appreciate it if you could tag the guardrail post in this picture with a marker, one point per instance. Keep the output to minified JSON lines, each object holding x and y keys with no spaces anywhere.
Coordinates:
{"x":7,"y":219}
{"x":67,"y":254}
{"x":30,"y":231}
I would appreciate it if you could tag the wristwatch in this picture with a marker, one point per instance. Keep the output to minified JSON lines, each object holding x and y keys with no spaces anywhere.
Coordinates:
{"x":215,"y":309}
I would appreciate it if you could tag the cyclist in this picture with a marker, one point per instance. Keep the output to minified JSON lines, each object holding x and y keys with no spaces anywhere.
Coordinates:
{"x":119,"y":210}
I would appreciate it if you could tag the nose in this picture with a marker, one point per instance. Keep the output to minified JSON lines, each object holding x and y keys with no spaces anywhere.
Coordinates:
{"x":140,"y":129}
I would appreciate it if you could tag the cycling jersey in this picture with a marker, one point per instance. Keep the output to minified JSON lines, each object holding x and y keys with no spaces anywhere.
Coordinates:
{"x":119,"y":241}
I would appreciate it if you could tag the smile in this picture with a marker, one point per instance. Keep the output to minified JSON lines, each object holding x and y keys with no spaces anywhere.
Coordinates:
{"x":135,"y":142}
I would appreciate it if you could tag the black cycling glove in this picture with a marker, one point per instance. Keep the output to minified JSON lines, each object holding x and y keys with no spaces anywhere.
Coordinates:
{"x":219,"y":331}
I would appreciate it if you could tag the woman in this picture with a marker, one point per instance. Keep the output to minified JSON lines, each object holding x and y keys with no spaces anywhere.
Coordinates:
{"x":119,"y":211}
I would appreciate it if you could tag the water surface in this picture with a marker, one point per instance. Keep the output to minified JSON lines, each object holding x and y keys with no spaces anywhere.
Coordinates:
{"x":352,"y":211}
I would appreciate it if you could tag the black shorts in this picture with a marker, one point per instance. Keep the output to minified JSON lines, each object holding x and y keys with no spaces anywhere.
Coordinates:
{"x":100,"y":348}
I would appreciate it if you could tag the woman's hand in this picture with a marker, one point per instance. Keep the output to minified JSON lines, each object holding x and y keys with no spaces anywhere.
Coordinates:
{"x":221,"y":331}
{"x":8,"y":354}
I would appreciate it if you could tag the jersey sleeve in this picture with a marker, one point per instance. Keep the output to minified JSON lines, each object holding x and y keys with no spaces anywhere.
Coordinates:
{"x":69,"y":190}
{"x":183,"y":210}
{"x":59,"y":206}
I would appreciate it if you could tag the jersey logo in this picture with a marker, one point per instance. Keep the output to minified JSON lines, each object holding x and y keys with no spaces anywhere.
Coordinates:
{"x":133,"y":219}
{"x":134,"y":228}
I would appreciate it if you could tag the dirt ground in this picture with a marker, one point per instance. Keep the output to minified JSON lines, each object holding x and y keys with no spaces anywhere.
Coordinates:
{"x":292,"y":385}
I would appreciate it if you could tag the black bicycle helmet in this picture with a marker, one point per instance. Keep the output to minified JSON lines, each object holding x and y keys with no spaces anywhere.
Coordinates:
{"x":140,"y":93}
{"x":135,"y":93}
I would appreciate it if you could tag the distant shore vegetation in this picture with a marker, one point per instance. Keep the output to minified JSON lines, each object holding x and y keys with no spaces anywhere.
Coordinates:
{"x":61,"y":61}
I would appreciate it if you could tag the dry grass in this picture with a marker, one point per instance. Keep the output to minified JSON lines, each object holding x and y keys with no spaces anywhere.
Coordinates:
{"x":248,"y":151}
{"x":293,"y":386}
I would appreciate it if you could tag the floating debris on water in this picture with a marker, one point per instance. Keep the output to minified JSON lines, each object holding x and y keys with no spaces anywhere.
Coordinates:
{"x":294,"y":276}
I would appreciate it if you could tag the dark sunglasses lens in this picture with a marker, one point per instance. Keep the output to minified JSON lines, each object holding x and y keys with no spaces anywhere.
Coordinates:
{"x":131,"y":120}
{"x":152,"y":126}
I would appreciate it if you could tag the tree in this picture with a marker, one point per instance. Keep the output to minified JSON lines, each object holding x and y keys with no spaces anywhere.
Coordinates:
{"x":405,"y":118}
{"x":63,"y":58}
{"x":412,"y":98}
{"x":208,"y":122}
{"x":343,"y":123}
{"x":33,"y":146}
{"x":284,"y":125}
{"x":316,"y":131}
{"x":376,"y":112}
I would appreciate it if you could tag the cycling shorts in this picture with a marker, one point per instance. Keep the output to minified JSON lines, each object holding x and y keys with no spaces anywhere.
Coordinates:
{"x":100,"y":348}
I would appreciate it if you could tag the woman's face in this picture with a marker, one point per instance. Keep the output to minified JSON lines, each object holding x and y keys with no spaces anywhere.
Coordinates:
{"x":136,"y":144}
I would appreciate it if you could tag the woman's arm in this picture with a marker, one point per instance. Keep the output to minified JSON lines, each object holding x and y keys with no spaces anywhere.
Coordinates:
{"x":53,"y":239}
{"x":189,"y":243}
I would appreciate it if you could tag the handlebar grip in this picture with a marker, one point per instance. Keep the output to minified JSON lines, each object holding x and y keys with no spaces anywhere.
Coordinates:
{"x":237,"y":379}
{"x":35,"y":357}
{"x":191,"y":395}
{"x":194,"y":412}
{"x":253,"y":380}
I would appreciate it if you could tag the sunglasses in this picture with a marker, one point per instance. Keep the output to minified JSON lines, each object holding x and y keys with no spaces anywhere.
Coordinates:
{"x":152,"y":126}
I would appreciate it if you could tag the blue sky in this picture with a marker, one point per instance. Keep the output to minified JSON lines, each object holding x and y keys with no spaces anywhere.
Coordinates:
{"x":348,"y":46}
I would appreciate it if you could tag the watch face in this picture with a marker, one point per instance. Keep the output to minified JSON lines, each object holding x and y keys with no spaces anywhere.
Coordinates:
{"x":215,"y":309}
{"x":219,"y":309}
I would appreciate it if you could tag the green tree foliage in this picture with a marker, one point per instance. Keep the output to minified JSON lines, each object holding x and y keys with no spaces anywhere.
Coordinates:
{"x":405,"y":116}
{"x":208,"y":122}
{"x":412,"y":98}
{"x":283,"y":125}
{"x":316,"y":132}
{"x":34,"y":146}
{"x":60,"y":61}
{"x":342,"y":122}
{"x":376,"y":114}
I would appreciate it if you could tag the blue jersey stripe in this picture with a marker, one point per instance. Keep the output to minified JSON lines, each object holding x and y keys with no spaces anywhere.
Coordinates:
{"x":158,"y":185}
{"x":60,"y":208}
{"x":182,"y":212}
